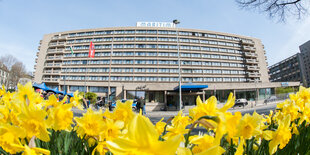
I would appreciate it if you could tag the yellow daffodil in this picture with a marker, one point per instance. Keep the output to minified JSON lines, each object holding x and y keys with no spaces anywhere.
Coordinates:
{"x":4,"y":114}
{"x":202,"y":109}
{"x":291,"y":109}
{"x":2,"y":91}
{"x":123,"y":111}
{"x":75,"y":100}
{"x":281,"y":136}
{"x":305,"y":114}
{"x":6,"y":99}
{"x":230,"y":103}
{"x":33,"y":120}
{"x":201,"y":143}
{"x":177,"y":130}
{"x":240,"y":147}
{"x":101,"y":148}
{"x":60,"y":117}
{"x":26,"y":92}
{"x":52,"y":101}
{"x":178,"y":126}
{"x":231,"y":125}
{"x":183,"y":151}
{"x":9,"y":138}
{"x":180,"y":119}
{"x":91,"y":124}
{"x":35,"y":151}
{"x":142,"y":138}
{"x":112,"y":129}
{"x":160,"y":126}
{"x":214,"y":150}
{"x":249,"y":126}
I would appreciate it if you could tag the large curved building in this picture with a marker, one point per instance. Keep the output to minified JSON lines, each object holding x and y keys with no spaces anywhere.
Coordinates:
{"x":143,"y":61}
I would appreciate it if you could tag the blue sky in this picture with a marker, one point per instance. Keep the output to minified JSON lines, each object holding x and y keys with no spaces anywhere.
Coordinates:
{"x":24,"y":22}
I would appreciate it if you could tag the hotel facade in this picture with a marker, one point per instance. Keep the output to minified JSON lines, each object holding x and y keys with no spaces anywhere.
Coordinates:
{"x":143,"y":61}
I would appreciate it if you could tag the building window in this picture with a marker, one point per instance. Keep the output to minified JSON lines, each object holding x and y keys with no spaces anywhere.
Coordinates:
{"x":154,"y":96}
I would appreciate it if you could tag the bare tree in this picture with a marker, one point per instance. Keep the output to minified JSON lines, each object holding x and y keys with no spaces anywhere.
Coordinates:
{"x":18,"y":70}
{"x":280,"y":9}
{"x":8,"y":60}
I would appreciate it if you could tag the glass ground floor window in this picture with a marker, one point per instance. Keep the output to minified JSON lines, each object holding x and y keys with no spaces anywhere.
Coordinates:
{"x":132,"y":94}
{"x":250,"y":95}
{"x":154,"y":96}
{"x":187,"y":99}
{"x":79,"y":88}
{"x":264,"y":93}
{"x":221,"y":95}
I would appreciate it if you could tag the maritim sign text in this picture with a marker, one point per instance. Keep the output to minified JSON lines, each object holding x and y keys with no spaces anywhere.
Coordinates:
{"x":155,"y":24}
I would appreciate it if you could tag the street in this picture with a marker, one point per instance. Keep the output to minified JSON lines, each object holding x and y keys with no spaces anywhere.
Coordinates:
{"x":155,"y":116}
{"x":260,"y":110}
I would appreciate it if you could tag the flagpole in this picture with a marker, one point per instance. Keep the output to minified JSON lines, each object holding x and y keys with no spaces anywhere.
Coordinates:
{"x":86,"y":69}
{"x":109,"y":91}
{"x":65,"y":79}
{"x":65,"y":88}
{"x":85,"y":77}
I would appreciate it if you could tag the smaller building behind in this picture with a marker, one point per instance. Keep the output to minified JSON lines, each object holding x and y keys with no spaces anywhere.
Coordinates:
{"x":293,"y":69}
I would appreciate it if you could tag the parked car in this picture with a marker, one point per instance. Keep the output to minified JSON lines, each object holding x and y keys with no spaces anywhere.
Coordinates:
{"x":270,"y":99}
{"x":134,"y":104}
{"x":241,"y":102}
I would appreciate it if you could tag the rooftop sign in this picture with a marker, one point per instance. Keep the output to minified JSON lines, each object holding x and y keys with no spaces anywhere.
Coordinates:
{"x":155,"y":24}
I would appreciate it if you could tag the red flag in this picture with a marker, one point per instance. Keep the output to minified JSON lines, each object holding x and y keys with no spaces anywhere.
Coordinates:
{"x":91,"y":53}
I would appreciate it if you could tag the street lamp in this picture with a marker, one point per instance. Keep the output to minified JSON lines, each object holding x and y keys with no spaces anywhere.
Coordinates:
{"x":179,"y":64}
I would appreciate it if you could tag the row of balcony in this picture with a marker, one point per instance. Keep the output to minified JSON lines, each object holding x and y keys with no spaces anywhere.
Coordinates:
{"x":52,"y":64}
{"x":55,"y":50}
{"x":252,"y":67}
{"x":251,"y":61}
{"x":51,"y":79}
{"x":249,"y":74}
{"x":49,"y":71}
{"x":59,"y":37}
{"x":249,"y":48}
{"x":56,"y":44}
{"x":248,"y":54}
{"x":54,"y":57}
{"x":246,"y":42}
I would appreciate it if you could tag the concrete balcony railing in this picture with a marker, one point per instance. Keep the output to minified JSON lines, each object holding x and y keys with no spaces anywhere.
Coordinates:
{"x":49,"y":64}
{"x":59,"y":38}
{"x":247,"y":42}
{"x":54,"y":57}
{"x":249,"y":48}
{"x":50,"y":58}
{"x":46,"y":79}
{"x":52,"y":44}
{"x":252,"y":67}
{"x":52,"y":64}
{"x":248,"y":54}
{"x":56,"y":44}
{"x":51,"y":79}
{"x":55,"y":50}
{"x":54,"y":79}
{"x":254,"y":74}
{"x":251,"y":61}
